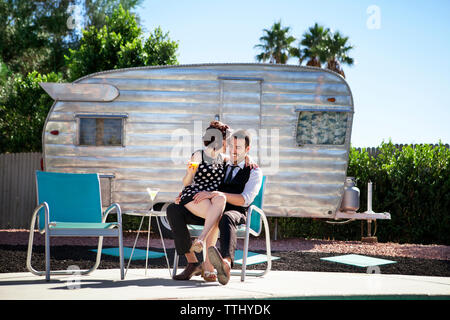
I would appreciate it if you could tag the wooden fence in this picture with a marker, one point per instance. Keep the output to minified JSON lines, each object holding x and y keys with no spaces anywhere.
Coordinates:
{"x":18,"y":189}
{"x":373,"y":152}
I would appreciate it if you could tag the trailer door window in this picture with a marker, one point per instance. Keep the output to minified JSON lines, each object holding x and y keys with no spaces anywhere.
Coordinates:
{"x":100,"y":131}
{"x":321,"y":127}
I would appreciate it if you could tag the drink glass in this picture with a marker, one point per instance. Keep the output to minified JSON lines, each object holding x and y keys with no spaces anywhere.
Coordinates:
{"x":152,"y":192}
{"x":194,"y":164}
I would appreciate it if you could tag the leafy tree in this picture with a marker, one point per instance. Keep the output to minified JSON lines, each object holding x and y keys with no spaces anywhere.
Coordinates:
{"x":159,"y":50}
{"x":119,"y":44}
{"x":23,"y":109}
{"x":23,"y":103}
{"x":96,"y":11}
{"x":34,"y":35}
{"x":4,"y":73}
{"x":276,"y":44}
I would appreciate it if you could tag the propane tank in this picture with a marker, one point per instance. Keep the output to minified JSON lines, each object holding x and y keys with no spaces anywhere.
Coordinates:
{"x":350,"y":200}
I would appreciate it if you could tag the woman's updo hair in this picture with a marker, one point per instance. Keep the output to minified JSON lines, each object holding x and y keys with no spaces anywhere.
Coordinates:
{"x":216,"y":133}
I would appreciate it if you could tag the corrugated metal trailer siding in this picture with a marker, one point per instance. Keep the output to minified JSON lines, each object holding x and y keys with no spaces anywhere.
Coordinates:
{"x":310,"y":179}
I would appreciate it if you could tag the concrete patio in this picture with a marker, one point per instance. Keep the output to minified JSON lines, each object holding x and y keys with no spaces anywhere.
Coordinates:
{"x":105,"y":284}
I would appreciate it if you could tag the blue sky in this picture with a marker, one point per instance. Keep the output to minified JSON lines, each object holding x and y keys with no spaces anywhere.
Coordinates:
{"x":400,"y":81}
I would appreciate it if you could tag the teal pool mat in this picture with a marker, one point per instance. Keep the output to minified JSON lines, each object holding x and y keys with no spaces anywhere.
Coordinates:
{"x":252,"y":258}
{"x":358,"y":260}
{"x":138,"y":254}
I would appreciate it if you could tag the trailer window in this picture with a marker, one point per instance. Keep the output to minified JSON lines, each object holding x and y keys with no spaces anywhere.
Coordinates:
{"x":321,"y":127}
{"x":100,"y":131}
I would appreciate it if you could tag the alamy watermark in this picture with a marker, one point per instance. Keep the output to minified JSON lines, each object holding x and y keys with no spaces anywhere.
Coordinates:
{"x":264,"y":146}
{"x":373,"y":270}
{"x":373,"y":21}
{"x":73,"y":282}
{"x":74,"y":19}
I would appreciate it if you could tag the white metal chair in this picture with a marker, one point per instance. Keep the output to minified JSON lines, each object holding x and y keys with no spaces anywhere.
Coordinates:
{"x":255,"y":219}
{"x":69,"y":205}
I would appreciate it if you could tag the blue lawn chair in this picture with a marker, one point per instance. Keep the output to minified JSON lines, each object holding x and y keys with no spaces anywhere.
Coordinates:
{"x":253,"y":226}
{"x":69,"y":204}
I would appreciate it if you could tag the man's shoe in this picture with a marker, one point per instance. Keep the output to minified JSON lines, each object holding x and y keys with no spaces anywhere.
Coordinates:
{"x":192,"y":269}
{"x":222,"y":266}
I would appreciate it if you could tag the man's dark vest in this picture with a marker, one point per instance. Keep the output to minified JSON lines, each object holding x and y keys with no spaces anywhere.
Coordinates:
{"x":236,"y":186}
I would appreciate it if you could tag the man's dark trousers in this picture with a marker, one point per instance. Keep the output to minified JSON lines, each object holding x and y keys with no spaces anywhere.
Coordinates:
{"x":179,"y":217}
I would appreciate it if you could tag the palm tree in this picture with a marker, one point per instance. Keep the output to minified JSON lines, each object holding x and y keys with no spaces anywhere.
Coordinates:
{"x":313,"y":41}
{"x":297,"y":52}
{"x":275,"y":44}
{"x":336,"y":50}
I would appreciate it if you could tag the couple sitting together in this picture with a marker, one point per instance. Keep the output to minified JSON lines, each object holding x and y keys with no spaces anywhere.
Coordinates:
{"x":216,"y":194}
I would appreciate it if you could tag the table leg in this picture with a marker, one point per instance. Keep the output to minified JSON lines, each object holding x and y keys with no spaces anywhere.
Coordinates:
{"x":164,"y":247}
{"x":148,"y":243}
{"x":134,"y":245}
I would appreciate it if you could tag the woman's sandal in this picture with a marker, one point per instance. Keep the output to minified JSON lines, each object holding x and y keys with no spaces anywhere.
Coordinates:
{"x":209,"y":276}
{"x":197,"y":246}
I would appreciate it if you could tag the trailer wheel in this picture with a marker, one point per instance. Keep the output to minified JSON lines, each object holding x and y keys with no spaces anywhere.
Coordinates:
{"x":163,"y":222}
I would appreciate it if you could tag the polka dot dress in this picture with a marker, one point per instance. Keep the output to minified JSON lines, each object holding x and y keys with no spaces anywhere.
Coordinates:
{"x":208,"y":177}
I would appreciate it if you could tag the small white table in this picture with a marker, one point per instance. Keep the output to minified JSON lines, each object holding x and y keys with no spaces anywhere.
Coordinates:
{"x":150,"y":213}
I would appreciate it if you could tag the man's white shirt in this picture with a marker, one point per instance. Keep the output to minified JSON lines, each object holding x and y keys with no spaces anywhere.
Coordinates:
{"x":253,"y":184}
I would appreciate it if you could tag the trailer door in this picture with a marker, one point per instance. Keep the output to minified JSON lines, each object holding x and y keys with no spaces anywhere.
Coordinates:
{"x":240,"y":106}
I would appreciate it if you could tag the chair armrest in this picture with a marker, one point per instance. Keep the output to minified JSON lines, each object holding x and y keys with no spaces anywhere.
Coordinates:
{"x":35,"y":215}
{"x":110,"y":209}
{"x":262,"y":214}
{"x":250,"y":211}
{"x":257,"y":209}
{"x":267,"y":233}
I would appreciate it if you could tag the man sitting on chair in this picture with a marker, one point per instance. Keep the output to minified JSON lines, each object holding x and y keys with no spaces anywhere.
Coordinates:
{"x":240,"y":187}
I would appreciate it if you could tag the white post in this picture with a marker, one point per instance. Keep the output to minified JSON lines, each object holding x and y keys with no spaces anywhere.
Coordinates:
{"x":369,"y":207}
{"x":369,"y":197}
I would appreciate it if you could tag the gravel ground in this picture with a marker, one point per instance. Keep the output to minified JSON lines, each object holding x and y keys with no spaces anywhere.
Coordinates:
{"x":295,"y":254}
{"x":13,"y":259}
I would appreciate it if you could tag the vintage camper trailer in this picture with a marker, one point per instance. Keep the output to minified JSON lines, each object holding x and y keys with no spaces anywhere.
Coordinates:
{"x":138,"y":126}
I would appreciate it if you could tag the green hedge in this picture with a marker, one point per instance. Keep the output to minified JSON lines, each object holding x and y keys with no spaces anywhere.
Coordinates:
{"x":412,"y":184}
